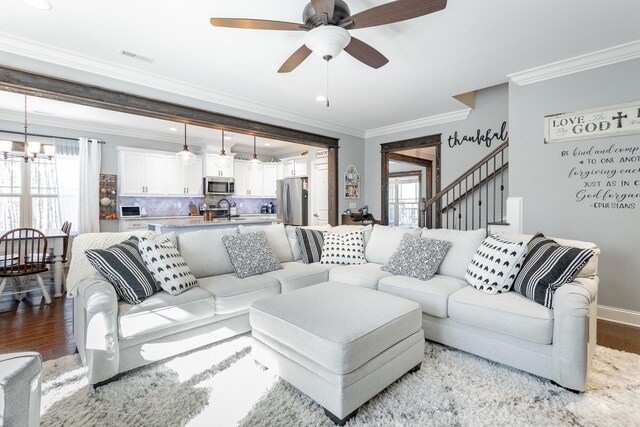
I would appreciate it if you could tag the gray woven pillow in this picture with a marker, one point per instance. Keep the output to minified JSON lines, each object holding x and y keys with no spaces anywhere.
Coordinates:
{"x":251,"y":253}
{"x":417,"y":257}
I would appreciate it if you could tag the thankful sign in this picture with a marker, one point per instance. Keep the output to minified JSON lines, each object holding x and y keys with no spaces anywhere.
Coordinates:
{"x":623,"y":119}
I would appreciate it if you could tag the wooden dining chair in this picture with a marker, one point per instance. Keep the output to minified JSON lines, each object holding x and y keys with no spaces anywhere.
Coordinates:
{"x":22,"y":255}
{"x":51,"y":259}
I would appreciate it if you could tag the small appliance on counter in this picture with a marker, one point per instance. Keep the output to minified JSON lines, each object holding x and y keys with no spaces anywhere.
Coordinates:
{"x":264,"y":209}
{"x":130,"y":211}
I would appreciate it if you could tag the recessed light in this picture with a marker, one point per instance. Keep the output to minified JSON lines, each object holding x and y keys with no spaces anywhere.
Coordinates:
{"x":172,"y":129}
{"x":227,"y":137}
{"x":321,"y":98}
{"x":266,"y":144}
{"x":38,"y":4}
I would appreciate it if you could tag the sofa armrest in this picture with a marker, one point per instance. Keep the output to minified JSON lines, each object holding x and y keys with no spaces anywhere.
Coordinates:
{"x":96,"y":328}
{"x":574,"y":313}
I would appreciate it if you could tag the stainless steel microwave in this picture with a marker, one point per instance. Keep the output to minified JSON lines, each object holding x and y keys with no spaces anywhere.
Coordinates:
{"x":218,"y":186}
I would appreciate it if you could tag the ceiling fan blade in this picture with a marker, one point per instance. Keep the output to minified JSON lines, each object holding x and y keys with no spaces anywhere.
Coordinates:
{"x":296,"y":59}
{"x":257,"y":24}
{"x":395,"y":11}
{"x":324,"y":6}
{"x":365,"y":53}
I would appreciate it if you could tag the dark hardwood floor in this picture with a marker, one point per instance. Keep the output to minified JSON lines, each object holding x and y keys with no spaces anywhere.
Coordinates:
{"x":48,"y":329}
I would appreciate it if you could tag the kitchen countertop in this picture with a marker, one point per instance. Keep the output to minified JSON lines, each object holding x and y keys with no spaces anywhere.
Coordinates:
{"x":199,"y":222}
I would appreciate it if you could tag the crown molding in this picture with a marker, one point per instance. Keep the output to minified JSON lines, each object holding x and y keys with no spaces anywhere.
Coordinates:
{"x":68,"y":59}
{"x":419,"y":123}
{"x":589,"y":61}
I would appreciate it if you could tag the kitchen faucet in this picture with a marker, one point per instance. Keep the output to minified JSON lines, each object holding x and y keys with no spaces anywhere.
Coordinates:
{"x":228,"y":207}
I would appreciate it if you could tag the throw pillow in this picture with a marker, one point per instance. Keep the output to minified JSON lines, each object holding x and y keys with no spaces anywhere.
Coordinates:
{"x":310,"y":242}
{"x":495,"y":265}
{"x":166,"y":265}
{"x":548,"y":266}
{"x":122,"y":265}
{"x":251,"y":253}
{"x":417,"y":257}
{"x":345,"y":248}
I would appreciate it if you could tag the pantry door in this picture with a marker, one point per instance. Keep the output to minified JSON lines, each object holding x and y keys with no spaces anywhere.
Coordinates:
{"x":319,"y":190}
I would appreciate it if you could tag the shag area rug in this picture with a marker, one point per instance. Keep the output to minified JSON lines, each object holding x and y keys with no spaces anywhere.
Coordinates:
{"x":220,"y":385}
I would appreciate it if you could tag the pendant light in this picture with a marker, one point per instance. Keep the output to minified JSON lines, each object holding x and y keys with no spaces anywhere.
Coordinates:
{"x":223,"y":161}
{"x":185,"y":156}
{"x":255,"y":162}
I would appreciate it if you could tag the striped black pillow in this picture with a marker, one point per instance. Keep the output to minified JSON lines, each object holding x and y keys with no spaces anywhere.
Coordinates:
{"x":547,"y":266}
{"x":311,"y":242}
{"x":122,"y":265}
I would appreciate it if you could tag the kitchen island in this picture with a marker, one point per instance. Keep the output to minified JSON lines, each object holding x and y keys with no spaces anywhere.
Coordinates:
{"x":185,"y":225}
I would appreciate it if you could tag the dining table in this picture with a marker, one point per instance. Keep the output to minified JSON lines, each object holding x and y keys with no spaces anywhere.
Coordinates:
{"x":55,"y":243}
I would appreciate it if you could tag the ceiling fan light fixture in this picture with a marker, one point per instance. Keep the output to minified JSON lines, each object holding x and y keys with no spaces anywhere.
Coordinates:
{"x":327,"y":41}
{"x":38,"y":4}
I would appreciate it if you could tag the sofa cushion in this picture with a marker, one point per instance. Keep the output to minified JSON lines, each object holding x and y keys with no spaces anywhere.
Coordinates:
{"x":295,"y":275}
{"x":344,"y":229}
{"x":366,"y":275}
{"x":495,"y":265}
{"x":310,"y":242}
{"x":463,"y":247}
{"x":548,"y":266}
{"x":162,"y":311}
{"x":251,"y":254}
{"x":345,"y":248}
{"x":358,"y":325}
{"x":204,"y":252}
{"x":167,"y":267}
{"x":293,"y":238}
{"x":277,"y":236}
{"x":432,"y":295}
{"x":384,"y":241}
{"x":232,"y":294}
{"x":509,"y":313}
{"x":417,"y":257}
{"x":123,"y":266}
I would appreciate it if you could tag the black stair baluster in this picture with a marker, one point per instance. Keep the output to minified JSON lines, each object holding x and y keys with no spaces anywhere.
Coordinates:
{"x":502,"y":186}
{"x":486,"y":195}
{"x":460,"y":206}
{"x":494,"y":188}
{"x":473,"y":200}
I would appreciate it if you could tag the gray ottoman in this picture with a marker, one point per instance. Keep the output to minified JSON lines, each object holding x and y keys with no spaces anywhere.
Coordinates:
{"x":339,"y":344}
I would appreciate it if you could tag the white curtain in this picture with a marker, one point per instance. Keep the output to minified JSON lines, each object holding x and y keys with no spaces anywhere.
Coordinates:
{"x":89,"y":194}
{"x":68,"y":174}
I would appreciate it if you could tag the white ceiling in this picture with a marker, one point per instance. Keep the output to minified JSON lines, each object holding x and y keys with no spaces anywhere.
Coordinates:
{"x":470,"y":45}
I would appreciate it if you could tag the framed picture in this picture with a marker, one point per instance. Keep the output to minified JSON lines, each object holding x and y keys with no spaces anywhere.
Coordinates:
{"x":351,"y":183}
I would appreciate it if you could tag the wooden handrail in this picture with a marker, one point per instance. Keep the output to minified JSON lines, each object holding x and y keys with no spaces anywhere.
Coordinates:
{"x":468,"y":173}
{"x":475,"y":187}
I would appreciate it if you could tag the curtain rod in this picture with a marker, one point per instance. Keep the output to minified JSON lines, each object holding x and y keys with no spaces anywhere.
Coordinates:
{"x":44,"y":136}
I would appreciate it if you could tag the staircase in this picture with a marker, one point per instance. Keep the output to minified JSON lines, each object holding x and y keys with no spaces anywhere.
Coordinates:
{"x":474,"y":200}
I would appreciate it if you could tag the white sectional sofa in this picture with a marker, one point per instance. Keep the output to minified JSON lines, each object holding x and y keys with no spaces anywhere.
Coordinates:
{"x":114,"y":337}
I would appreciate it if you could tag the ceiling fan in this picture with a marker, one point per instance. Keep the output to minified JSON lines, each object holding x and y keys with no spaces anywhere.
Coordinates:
{"x":327,"y":23}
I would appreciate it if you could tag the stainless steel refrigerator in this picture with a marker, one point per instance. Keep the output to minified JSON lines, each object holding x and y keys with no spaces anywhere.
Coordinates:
{"x":292,"y":201}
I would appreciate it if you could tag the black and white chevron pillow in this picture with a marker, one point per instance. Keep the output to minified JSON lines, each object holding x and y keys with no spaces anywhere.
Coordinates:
{"x":310,"y":242}
{"x":495,"y":265}
{"x":345,"y":248}
{"x":122,"y":265}
{"x":548,"y":266}
{"x":166,"y":265}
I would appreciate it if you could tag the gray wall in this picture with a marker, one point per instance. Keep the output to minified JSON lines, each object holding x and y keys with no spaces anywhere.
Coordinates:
{"x":491,"y":110}
{"x":540,"y":174}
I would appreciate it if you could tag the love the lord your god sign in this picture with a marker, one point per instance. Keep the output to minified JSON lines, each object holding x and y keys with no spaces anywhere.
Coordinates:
{"x":614,"y":120}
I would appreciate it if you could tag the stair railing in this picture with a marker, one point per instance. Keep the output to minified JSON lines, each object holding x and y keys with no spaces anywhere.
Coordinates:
{"x":475,"y":199}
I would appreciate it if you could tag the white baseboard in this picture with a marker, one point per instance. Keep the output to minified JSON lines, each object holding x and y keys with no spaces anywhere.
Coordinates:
{"x":619,"y":315}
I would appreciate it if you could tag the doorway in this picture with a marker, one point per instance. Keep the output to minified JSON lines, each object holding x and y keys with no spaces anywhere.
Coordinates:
{"x":410,"y":173}
{"x":319,"y":211}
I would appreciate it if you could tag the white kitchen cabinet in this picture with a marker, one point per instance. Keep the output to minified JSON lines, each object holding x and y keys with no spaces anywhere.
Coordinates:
{"x":270,"y":177}
{"x":211,"y":169}
{"x":156,"y":173}
{"x":240,"y":175}
{"x":141,"y":174}
{"x":294,"y":166}
{"x":255,"y":180}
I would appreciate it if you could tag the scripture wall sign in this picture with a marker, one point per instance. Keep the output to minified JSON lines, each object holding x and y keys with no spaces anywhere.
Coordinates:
{"x":614,"y":120}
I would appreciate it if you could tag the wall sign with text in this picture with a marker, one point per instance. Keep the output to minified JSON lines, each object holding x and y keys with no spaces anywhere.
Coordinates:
{"x":614,"y":120}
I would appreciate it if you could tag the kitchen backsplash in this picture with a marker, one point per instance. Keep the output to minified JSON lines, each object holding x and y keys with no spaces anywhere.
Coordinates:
{"x":179,"y":206}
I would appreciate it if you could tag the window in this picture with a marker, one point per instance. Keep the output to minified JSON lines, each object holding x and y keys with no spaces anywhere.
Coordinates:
{"x":41,"y":193}
{"x":404,"y":196}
